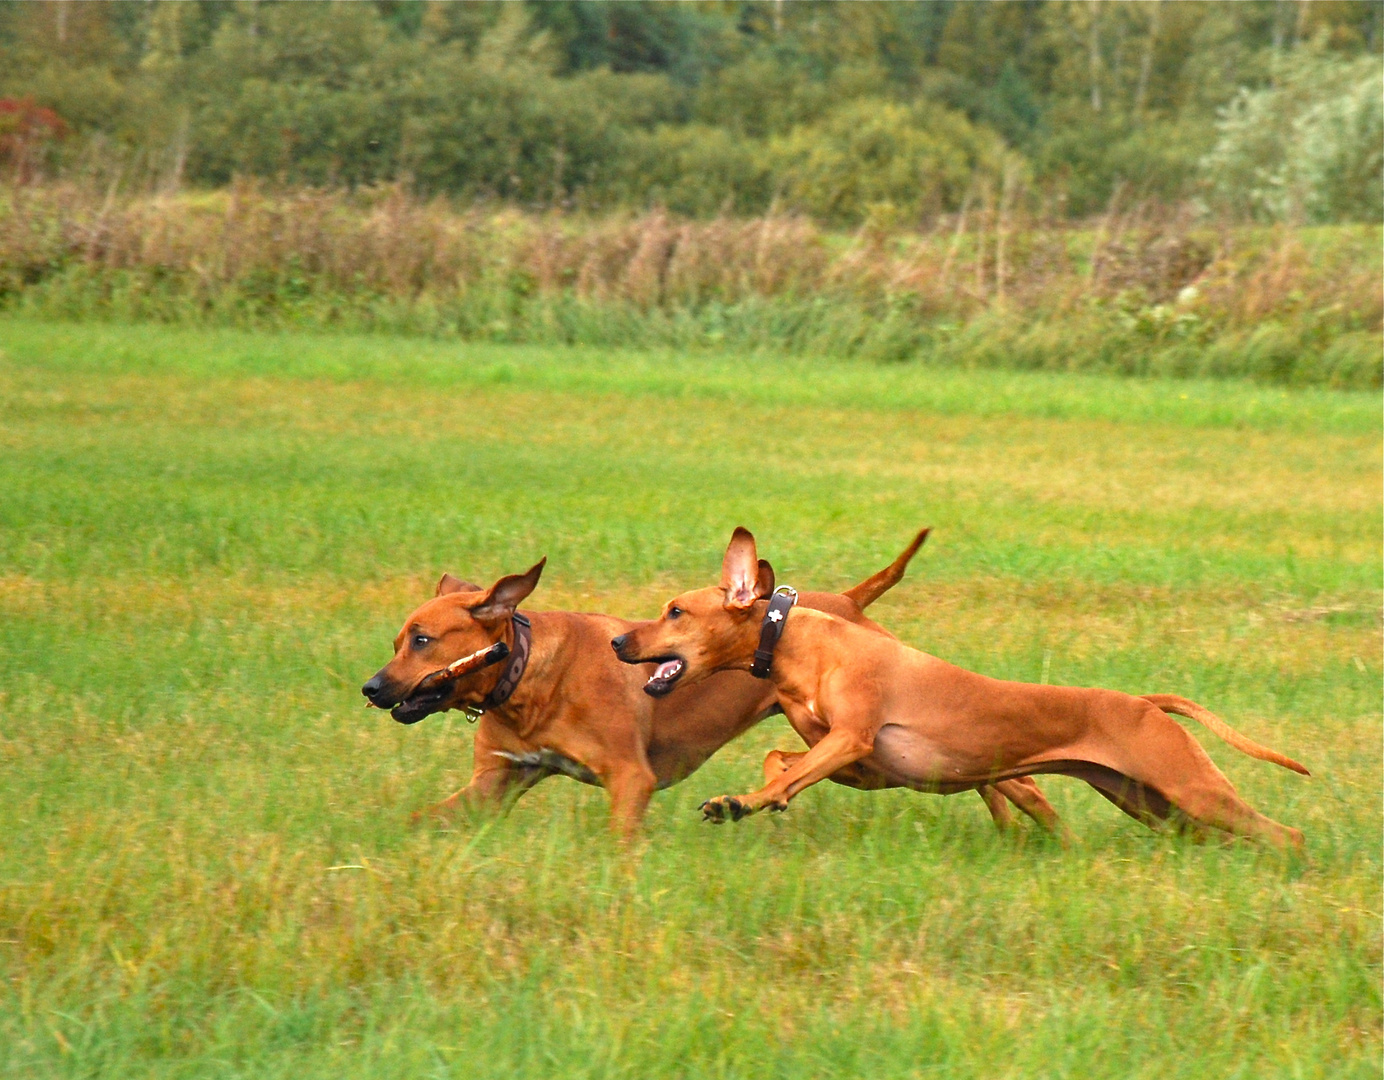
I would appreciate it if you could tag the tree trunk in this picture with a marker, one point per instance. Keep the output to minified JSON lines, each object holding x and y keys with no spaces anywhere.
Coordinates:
{"x":1146,"y":64}
{"x":1094,"y":48}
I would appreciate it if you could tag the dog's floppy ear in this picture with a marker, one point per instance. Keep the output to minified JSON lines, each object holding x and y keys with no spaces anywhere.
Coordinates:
{"x":450,"y":584}
{"x":742,"y":574}
{"x":507,"y":593}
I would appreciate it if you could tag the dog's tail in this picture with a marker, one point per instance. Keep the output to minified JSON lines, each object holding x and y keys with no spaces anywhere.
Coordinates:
{"x":1171,"y":703}
{"x":875,"y":586}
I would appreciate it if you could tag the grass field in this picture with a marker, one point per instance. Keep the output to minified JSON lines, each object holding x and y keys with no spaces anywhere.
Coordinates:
{"x":208,"y":540}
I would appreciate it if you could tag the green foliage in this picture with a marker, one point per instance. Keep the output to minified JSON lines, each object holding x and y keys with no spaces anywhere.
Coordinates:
{"x":626,"y":37}
{"x":868,"y":153}
{"x":1098,"y":163}
{"x":699,"y":170}
{"x":760,"y":96}
{"x":556,"y":104}
{"x":292,"y":90}
{"x":1309,"y":148}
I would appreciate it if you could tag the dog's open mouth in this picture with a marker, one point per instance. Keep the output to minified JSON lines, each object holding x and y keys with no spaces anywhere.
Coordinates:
{"x":665,"y":676}
{"x":420,"y":704}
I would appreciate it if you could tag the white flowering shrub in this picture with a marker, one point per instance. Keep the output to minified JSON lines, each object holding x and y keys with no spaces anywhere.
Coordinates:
{"x":1308,"y":149}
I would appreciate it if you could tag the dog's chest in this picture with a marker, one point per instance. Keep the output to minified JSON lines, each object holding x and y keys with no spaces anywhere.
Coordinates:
{"x":805,"y":715}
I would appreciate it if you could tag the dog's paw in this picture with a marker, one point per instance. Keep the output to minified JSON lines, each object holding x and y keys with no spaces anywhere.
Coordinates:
{"x":438,"y":817}
{"x":723,"y":807}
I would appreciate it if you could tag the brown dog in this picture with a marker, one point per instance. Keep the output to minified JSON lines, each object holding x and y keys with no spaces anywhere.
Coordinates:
{"x":898,"y":717}
{"x":575,"y":709}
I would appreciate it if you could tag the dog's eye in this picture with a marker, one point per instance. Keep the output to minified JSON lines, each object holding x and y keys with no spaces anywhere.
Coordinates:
{"x":420,"y":641}
{"x":674,"y":612}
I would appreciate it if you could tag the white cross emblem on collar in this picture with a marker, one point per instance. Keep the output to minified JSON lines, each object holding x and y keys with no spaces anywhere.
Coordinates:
{"x":775,"y":615}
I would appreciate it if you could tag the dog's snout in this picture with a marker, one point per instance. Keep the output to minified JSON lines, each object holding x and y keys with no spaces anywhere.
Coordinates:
{"x":618,"y":643}
{"x":374,"y":688}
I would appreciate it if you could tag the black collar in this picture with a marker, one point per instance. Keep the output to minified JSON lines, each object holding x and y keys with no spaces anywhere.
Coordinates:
{"x":771,"y":629}
{"x":509,"y":678}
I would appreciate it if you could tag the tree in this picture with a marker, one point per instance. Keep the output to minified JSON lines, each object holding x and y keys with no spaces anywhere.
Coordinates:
{"x":1309,"y":148}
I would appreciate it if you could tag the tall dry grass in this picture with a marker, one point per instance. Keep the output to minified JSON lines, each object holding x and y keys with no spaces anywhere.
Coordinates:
{"x":1148,"y":290}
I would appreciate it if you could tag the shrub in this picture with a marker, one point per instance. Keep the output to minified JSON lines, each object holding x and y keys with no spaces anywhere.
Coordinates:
{"x":699,"y":170}
{"x":919,"y":160}
{"x":1310,"y":148}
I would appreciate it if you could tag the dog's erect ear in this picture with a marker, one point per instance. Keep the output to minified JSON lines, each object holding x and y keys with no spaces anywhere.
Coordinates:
{"x":450,"y":584}
{"x":741,"y":573}
{"x":764,"y":582}
{"x":508,"y":593}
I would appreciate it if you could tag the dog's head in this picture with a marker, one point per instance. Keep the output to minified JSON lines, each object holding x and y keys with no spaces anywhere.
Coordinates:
{"x":459,"y":620}
{"x":707,"y":630}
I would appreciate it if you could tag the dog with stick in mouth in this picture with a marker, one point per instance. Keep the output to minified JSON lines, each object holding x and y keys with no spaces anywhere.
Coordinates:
{"x":868,"y":703}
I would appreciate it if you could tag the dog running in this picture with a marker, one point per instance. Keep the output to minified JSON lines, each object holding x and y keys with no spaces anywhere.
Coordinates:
{"x":897,"y":717}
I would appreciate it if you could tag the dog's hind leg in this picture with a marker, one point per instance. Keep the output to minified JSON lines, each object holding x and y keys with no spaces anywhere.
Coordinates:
{"x":1207,"y":802}
{"x":998,"y":806}
{"x":1024,"y":792}
{"x":1173,"y":771}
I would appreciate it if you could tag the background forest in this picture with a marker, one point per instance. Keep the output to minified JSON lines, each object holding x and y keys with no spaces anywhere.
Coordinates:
{"x":1137,"y":187}
{"x":841,"y":111}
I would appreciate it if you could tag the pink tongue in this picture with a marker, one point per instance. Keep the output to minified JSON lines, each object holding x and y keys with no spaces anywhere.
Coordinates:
{"x":667,"y":669}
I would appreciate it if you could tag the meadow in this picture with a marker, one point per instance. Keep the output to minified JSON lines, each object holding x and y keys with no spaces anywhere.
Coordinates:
{"x":208,"y":538}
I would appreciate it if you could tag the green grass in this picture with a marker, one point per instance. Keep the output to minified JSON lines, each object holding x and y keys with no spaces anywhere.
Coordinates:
{"x":208,"y":539}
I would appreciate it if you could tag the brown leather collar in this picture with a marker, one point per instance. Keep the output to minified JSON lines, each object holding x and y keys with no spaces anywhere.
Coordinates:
{"x":771,"y":629}
{"x":514,"y":671}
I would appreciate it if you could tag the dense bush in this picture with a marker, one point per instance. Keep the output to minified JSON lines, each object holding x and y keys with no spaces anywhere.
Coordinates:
{"x":698,"y":169}
{"x":869,"y":153}
{"x":1310,"y":148}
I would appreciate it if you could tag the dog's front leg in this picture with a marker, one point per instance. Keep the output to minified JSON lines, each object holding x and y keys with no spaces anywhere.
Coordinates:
{"x":630,"y":788}
{"x":856,"y":775}
{"x":494,"y":777}
{"x":488,"y":790}
{"x":837,"y":749}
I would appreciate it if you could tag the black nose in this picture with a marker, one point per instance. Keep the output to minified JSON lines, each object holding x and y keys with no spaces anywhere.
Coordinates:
{"x":618,"y":643}
{"x":373,"y":687}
